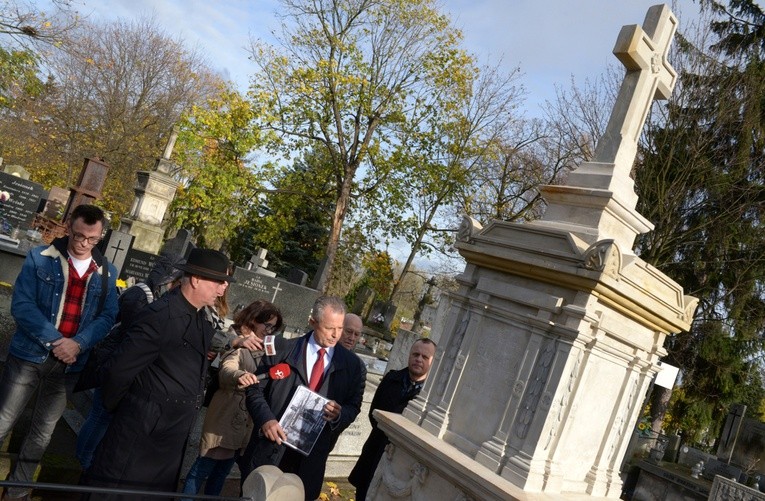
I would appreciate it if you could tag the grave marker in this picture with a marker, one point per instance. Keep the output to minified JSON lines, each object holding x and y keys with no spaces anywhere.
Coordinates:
{"x":25,"y":197}
{"x":138,"y":264}
{"x":294,"y":301}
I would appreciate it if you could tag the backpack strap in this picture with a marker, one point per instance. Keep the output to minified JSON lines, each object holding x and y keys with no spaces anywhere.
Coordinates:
{"x":147,"y":290}
{"x":104,"y":285}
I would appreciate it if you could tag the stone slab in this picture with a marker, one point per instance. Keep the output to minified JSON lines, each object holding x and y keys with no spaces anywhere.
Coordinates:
{"x":294,"y":301}
{"x":137,"y":264}
{"x":24,"y":203}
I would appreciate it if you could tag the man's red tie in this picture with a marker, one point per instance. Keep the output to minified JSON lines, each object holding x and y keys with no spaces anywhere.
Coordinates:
{"x":318,"y":371}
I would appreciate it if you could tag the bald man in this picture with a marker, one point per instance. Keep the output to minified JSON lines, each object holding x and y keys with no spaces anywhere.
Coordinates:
{"x":393,"y":394}
{"x":352,"y":326}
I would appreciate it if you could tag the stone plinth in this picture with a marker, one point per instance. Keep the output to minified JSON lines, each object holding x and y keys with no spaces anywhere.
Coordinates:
{"x":553,"y":343}
{"x":419,"y":466}
{"x":148,"y":237}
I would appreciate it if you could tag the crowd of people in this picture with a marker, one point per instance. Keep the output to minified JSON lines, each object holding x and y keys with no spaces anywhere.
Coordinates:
{"x":151,"y":348}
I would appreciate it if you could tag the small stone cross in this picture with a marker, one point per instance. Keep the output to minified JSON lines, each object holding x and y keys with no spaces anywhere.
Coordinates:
{"x":649,"y":76}
{"x":258,"y":260}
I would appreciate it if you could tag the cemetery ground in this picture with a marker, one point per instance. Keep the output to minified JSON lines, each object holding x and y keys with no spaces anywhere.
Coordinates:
{"x":59,"y":465}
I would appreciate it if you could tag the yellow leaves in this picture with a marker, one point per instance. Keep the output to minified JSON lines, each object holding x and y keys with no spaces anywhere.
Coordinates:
{"x":89,"y":60}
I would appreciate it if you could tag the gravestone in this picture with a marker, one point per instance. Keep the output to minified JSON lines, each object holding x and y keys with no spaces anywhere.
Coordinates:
{"x":115,"y":246}
{"x":179,"y":245}
{"x":731,"y":429}
{"x":374,"y":365}
{"x":258,"y":263}
{"x":715,"y":467}
{"x":137,"y":264}
{"x":724,"y":489}
{"x":297,"y":276}
{"x":348,"y":447}
{"x":154,"y":191}
{"x":16,"y":170}
{"x":362,"y":304}
{"x":57,"y":200}
{"x":381,"y":316}
{"x":555,"y":333}
{"x":294,"y":301}
{"x":25,"y":196}
{"x":320,"y":272}
{"x":749,"y":449}
{"x":690,"y":456}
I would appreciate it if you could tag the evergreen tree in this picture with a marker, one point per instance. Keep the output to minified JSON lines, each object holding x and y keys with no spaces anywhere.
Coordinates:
{"x":700,"y":180}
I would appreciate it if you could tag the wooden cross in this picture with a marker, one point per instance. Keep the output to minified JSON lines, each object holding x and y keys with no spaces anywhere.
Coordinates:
{"x":649,"y":76}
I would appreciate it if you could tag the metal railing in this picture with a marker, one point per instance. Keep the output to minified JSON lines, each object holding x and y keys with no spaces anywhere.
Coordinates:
{"x":86,"y":489}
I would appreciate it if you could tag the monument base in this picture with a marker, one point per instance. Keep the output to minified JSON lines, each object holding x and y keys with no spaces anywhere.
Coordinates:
{"x":416,"y":465}
{"x":148,"y":238}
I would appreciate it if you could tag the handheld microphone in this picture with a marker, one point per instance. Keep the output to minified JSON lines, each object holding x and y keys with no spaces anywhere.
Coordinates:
{"x":278,"y":371}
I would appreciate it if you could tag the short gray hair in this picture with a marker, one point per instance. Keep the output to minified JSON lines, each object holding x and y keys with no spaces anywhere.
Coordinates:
{"x":324,"y":303}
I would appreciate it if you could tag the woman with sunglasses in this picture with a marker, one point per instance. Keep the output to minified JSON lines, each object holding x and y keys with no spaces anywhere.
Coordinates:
{"x":227,"y":426}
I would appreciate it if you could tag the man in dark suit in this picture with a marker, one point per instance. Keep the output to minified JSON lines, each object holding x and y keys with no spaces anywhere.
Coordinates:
{"x":316,"y":361}
{"x":396,"y":389}
{"x":154,"y":383}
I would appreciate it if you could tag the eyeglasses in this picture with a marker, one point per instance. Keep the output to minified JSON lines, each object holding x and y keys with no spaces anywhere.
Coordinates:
{"x":269,"y":328}
{"x":79,"y":237}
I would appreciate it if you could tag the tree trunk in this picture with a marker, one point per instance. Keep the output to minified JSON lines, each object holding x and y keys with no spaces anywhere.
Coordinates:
{"x":337,"y":225}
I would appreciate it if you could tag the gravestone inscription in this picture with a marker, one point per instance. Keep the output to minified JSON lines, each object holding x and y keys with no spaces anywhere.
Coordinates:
{"x":294,"y":301}
{"x":137,"y":264}
{"x":24,"y":202}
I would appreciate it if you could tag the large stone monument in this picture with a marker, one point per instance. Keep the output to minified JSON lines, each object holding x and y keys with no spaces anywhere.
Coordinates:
{"x":548,"y":347}
{"x":154,"y":191}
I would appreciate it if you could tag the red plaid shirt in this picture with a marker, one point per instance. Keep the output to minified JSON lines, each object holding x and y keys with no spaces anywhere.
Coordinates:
{"x":75,"y":292}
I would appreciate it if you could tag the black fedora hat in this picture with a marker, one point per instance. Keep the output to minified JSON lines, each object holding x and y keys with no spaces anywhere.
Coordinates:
{"x":207,"y":263}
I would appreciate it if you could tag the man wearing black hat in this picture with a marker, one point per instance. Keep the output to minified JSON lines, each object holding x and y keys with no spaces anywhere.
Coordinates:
{"x":155,"y":383}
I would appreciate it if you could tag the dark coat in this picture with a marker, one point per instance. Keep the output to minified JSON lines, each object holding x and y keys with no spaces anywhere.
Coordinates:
{"x":154,"y":384}
{"x":343,"y":383}
{"x":391,"y":396}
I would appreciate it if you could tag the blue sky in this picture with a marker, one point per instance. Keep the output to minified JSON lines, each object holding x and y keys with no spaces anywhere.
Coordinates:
{"x":551,"y":40}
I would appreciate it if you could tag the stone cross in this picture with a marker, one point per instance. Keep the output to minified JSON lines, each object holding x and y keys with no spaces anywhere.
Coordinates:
{"x":258,"y":260}
{"x":276,"y":289}
{"x":649,"y":76}
{"x":170,"y":143}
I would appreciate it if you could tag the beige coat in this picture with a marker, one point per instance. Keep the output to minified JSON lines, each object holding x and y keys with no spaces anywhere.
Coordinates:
{"x":227,"y":422}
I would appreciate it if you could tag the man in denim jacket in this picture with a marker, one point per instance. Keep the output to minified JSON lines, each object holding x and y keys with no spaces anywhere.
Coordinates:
{"x":61,"y":312}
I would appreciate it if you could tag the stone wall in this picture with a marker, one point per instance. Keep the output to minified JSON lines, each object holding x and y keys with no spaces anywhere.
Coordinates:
{"x":728,"y":490}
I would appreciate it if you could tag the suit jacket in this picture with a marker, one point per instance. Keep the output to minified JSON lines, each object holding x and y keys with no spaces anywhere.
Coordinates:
{"x":343,"y":382}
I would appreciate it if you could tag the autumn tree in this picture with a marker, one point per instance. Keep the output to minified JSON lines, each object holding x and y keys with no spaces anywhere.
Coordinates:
{"x":218,"y":186}
{"x":344,"y":75}
{"x":441,"y":151}
{"x":115,"y":94}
